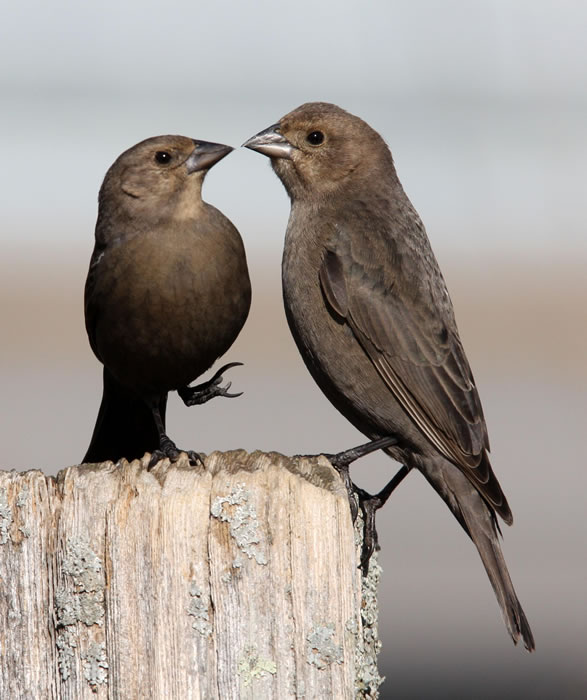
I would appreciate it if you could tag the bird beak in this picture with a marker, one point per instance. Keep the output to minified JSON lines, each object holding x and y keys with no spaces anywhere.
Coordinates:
{"x":270,"y":143}
{"x":205,"y":154}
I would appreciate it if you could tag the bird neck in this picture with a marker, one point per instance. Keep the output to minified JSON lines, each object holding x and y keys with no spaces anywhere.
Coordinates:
{"x":187,"y":203}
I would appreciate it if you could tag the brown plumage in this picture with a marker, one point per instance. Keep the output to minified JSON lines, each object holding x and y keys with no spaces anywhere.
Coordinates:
{"x":167,"y":292}
{"x":371,"y":315}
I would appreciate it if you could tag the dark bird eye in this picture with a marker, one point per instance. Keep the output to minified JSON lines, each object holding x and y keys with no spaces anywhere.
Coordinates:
{"x":315,"y":138}
{"x":163,"y":157}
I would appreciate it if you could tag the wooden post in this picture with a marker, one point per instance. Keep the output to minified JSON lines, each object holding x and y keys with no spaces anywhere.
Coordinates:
{"x":238,"y":579}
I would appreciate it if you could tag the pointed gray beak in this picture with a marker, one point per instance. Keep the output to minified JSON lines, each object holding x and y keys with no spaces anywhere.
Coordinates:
{"x":270,"y":143}
{"x":205,"y":155}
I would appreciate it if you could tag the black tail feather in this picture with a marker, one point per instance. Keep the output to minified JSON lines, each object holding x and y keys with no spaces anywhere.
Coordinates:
{"x":125,"y":426}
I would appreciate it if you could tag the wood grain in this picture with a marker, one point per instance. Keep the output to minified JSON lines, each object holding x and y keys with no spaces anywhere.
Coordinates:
{"x":236,"y":579}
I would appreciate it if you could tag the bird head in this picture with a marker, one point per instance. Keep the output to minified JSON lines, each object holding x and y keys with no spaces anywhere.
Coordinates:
{"x":318,"y":148}
{"x":161,"y":173}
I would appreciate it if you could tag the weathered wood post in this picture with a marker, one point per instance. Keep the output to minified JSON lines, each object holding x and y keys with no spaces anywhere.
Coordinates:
{"x":238,"y":579}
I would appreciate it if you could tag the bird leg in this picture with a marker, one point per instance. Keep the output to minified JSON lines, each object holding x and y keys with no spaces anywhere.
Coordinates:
{"x":167,"y":448}
{"x":369,"y":505}
{"x":342,"y":460}
{"x":195,"y":395}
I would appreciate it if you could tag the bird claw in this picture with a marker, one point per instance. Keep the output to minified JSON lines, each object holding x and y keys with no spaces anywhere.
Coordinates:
{"x":358,"y":498}
{"x":194,"y":458}
{"x":169,"y":450}
{"x":344,"y":473}
{"x":201,"y":393}
{"x":369,"y":505}
{"x":232,"y":396}
{"x":341,"y":461}
{"x":156,"y":457}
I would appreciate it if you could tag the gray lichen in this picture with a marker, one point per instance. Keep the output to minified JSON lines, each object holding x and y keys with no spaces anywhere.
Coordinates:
{"x":23,"y":497}
{"x":65,"y":608}
{"x":84,"y":604}
{"x":83,"y":565}
{"x":321,"y":647}
{"x":79,"y":607}
{"x":14,"y":617}
{"x":95,"y":665}
{"x":241,"y":515}
{"x":65,"y":646}
{"x":352,"y":626}
{"x":367,"y":644}
{"x":252,"y":666}
{"x":5,"y":517}
{"x":198,"y":608}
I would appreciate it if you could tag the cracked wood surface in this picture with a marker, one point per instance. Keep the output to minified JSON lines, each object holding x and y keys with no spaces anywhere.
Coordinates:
{"x":238,"y":579}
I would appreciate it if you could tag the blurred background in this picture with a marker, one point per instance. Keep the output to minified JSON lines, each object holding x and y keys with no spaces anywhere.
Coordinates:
{"x":484,"y":107}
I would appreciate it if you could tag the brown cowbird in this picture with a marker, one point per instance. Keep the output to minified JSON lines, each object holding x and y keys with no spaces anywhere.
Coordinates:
{"x":372,"y":318}
{"x":167,"y":293}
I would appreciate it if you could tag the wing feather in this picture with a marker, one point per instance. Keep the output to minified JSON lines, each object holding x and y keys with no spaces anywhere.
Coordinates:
{"x":413,"y":343}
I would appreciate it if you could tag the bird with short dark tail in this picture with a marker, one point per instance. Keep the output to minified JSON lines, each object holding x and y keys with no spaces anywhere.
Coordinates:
{"x":167,"y":294}
{"x":372,"y":318}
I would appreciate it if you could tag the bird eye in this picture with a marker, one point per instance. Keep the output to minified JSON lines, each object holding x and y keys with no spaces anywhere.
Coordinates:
{"x":315,"y":138}
{"x":163,"y":157}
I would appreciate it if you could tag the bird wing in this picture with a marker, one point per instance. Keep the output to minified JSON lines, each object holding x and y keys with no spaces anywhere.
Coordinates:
{"x":413,"y":342}
{"x":91,"y":308}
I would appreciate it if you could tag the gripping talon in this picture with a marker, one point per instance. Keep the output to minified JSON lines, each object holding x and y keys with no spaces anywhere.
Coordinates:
{"x":342,"y":460}
{"x":199,"y":394}
{"x":369,"y":505}
{"x":169,"y":450}
{"x":217,"y":378}
{"x":156,"y":456}
{"x":194,"y":458}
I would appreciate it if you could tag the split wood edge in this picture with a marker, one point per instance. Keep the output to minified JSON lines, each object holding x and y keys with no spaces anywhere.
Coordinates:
{"x":238,"y":579}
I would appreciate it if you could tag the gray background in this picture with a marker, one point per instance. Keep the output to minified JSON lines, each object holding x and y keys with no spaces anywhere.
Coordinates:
{"x":483,"y":105}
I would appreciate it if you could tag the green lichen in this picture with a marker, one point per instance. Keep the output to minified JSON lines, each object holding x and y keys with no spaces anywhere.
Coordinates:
{"x":252,"y":666}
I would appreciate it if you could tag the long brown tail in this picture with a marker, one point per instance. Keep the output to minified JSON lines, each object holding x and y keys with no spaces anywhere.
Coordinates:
{"x":479,"y":522}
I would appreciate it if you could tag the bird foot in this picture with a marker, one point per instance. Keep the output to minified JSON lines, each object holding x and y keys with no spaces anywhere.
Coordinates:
{"x":341,"y":461}
{"x":199,"y":394}
{"x":369,"y":505}
{"x":169,"y":450}
{"x":344,"y":474}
